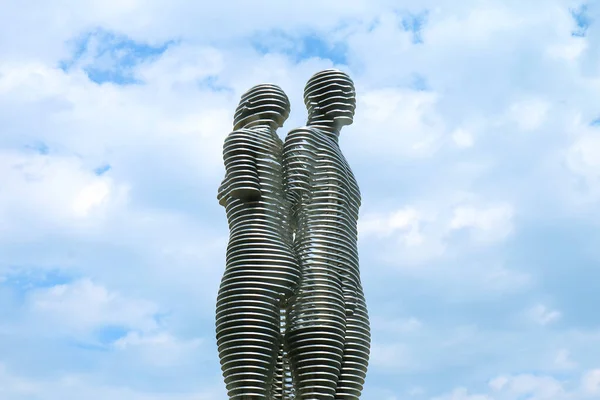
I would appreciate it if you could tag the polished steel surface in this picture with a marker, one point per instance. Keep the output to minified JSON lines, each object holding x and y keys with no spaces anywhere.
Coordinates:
{"x":283,"y":385}
{"x":261,"y":270}
{"x":328,"y":334}
{"x":292,"y":320}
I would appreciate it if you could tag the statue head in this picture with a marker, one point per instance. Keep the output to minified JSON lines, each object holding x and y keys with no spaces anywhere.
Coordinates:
{"x":264,"y":103}
{"x":330,"y":95}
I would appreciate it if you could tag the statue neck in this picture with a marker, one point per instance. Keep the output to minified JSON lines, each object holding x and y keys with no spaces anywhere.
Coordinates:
{"x":260,"y":125}
{"x":327,"y":126}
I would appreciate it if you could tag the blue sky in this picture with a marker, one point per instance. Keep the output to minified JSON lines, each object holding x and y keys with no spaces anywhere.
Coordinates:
{"x":476,"y":146}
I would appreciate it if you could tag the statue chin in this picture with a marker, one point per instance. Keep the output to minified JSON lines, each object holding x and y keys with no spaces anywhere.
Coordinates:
{"x":343,"y":121}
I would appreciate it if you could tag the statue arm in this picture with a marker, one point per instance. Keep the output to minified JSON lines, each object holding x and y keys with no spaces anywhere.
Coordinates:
{"x":241,"y":175}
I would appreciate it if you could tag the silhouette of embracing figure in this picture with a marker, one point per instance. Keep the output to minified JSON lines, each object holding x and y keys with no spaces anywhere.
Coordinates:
{"x":291,"y":291}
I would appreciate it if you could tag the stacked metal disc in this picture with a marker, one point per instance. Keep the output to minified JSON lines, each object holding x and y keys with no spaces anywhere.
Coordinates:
{"x":283,"y":385}
{"x":328,"y":334}
{"x":261,"y":270}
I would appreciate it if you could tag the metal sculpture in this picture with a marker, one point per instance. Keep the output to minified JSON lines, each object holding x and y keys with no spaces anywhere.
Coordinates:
{"x":328,"y":334}
{"x":261,"y":270}
{"x":291,"y":314}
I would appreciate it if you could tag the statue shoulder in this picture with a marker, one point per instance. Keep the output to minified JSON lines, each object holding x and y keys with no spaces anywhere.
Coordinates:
{"x":239,"y":133}
{"x":302,"y":135}
{"x":303,"y":130}
{"x":241,"y":138}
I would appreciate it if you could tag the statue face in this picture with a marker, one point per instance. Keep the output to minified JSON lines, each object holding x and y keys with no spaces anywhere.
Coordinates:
{"x":339,"y":103}
{"x":330,"y":93}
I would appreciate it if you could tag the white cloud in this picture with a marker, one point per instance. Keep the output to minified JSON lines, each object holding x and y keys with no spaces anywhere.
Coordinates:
{"x":394,"y":356}
{"x":463,"y":394}
{"x":488,"y":223}
{"x":585,"y":153}
{"x":90,"y":197}
{"x":583,"y":157}
{"x":499,"y":383}
{"x":570,"y":50}
{"x":501,"y":279}
{"x":83,"y":306}
{"x":405,"y":220}
{"x":542,"y":315}
{"x":529,"y":115}
{"x":413,"y":234}
{"x":54,"y":192}
{"x":157,"y":348}
{"x":591,"y":382}
{"x":409,"y":325}
{"x":185,"y":64}
{"x":416,"y":391}
{"x":112,"y":123}
{"x":532,"y":386}
{"x":75,"y":386}
{"x":563,"y":360}
{"x":421,"y":233}
{"x":462,"y":138}
{"x":399,"y":122}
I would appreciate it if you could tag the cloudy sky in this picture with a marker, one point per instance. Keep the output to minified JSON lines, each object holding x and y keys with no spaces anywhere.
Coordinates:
{"x":476,"y":145}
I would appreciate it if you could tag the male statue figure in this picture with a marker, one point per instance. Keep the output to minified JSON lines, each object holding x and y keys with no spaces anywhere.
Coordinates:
{"x":261,"y":270}
{"x":328,"y":334}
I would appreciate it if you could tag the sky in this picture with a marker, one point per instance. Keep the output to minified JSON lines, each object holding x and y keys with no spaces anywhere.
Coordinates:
{"x":476,"y":145}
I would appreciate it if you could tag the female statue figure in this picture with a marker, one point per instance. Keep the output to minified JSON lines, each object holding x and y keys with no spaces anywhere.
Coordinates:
{"x":261,"y":270}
